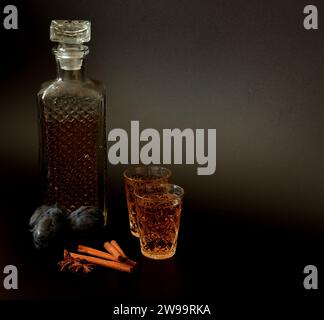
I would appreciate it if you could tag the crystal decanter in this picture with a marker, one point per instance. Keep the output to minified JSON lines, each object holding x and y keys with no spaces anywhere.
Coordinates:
{"x":72,"y":117}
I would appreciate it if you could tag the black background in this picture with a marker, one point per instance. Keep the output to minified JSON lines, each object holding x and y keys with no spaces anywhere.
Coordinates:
{"x":248,"y":69}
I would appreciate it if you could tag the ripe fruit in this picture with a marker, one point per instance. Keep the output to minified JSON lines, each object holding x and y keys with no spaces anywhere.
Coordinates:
{"x":86,"y":220}
{"x":47,"y":224}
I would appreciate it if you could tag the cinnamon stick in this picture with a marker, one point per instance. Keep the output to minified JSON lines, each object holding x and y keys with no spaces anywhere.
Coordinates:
{"x":118,"y":248}
{"x":96,"y":253}
{"x":121,"y":252}
{"x":114,"y":252}
{"x":104,"y":263}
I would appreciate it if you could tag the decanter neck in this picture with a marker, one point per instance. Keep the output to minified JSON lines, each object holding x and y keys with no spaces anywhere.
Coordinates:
{"x":67,"y":75}
{"x":70,"y":61}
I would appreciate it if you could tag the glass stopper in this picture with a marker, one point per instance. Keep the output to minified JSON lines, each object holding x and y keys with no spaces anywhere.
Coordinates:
{"x":70,"y":31}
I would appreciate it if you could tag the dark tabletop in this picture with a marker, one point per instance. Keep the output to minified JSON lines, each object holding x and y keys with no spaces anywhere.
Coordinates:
{"x":220,"y":257}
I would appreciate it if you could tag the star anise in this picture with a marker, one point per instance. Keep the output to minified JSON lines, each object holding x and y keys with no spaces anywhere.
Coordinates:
{"x":75,"y":265}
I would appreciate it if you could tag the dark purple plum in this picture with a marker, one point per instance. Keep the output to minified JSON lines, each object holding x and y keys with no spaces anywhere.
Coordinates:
{"x":47,"y":224}
{"x":86,"y":220}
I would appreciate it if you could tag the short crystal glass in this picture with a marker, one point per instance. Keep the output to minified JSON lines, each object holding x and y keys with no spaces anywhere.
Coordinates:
{"x":136,"y":176}
{"x":158,"y":210}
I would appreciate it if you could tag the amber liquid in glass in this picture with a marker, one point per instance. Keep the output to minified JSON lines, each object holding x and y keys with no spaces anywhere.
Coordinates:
{"x":158,"y":220}
{"x":73,"y":153}
{"x":130,"y":186}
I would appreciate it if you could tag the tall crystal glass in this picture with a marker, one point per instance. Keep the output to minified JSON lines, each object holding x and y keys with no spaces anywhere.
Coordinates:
{"x":136,"y":176}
